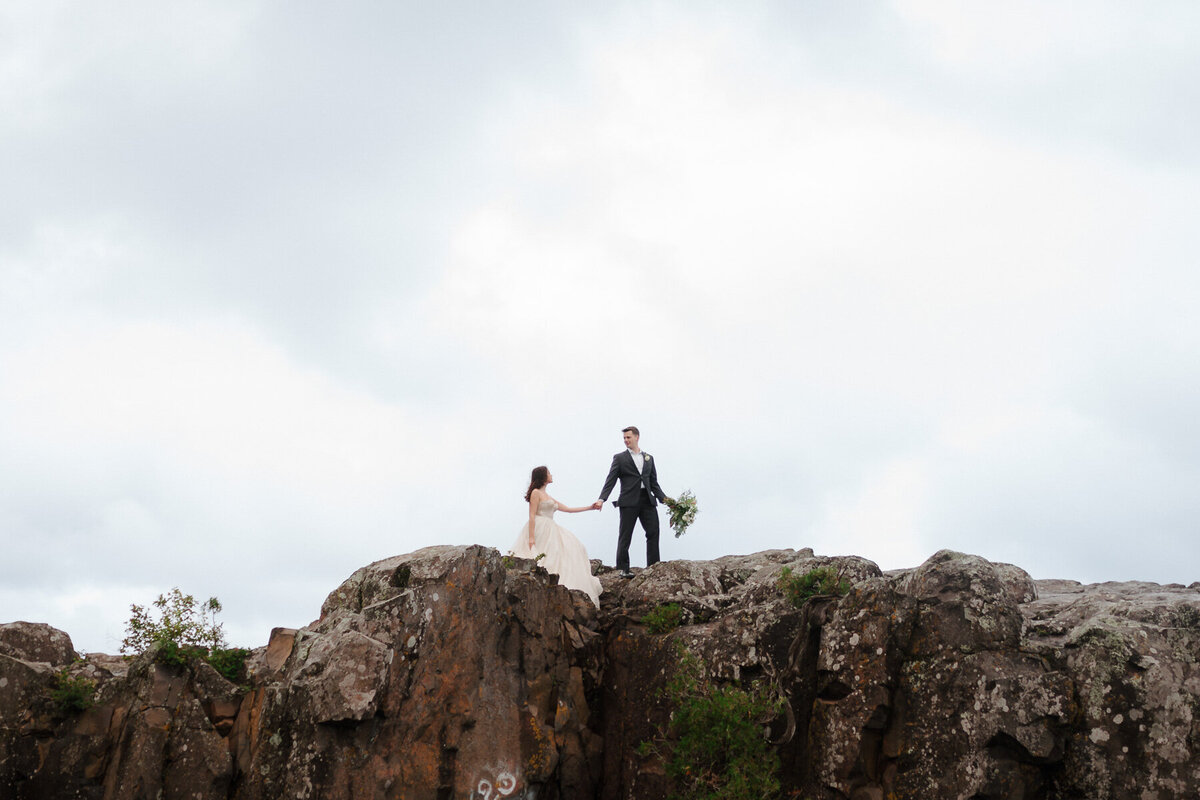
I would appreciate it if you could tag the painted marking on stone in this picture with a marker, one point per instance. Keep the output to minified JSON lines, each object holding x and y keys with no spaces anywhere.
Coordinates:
{"x":505,"y":785}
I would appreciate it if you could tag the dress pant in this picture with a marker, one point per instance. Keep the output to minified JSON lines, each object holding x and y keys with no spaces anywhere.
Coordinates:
{"x":647,"y":514}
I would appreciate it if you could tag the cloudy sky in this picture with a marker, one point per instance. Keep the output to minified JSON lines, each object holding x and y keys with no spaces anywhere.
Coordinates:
{"x":286,"y":288}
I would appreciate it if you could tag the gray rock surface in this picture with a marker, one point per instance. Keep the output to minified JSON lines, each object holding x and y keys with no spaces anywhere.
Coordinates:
{"x":36,"y":641}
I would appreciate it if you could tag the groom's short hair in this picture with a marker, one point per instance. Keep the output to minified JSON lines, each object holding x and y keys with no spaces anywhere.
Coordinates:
{"x":633,"y":430}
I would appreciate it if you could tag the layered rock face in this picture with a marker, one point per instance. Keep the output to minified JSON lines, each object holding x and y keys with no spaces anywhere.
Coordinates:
{"x":455,"y":673}
{"x":441,"y":675}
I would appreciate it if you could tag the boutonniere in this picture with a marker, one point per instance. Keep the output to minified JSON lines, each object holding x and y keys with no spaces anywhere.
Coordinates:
{"x":646,"y":456}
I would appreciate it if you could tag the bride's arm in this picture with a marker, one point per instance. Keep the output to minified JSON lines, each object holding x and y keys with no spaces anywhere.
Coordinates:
{"x":569,"y":510}
{"x":534,"y":498}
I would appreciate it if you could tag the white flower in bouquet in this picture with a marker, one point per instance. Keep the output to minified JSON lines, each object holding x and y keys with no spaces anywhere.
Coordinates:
{"x":683,"y":512}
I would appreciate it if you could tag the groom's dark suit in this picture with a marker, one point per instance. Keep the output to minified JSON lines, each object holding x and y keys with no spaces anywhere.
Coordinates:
{"x":636,"y":502}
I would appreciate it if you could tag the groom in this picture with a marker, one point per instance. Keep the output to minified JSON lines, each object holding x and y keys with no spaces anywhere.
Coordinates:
{"x":639,"y":488}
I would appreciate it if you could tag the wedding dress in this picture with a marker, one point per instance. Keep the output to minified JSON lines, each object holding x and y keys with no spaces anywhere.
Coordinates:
{"x":566,"y":556}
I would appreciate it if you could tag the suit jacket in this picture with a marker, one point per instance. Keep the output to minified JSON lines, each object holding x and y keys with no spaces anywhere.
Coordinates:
{"x":632,"y":481}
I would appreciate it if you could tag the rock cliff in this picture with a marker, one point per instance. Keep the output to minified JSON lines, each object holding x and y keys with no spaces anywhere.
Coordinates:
{"x":454,"y":672}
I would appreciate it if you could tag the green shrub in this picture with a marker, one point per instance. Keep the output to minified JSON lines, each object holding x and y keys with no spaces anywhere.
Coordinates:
{"x":664,"y":618}
{"x":183,"y":632}
{"x":72,"y":694}
{"x":715,"y":747}
{"x":231,"y":663}
{"x":177,"y":655}
{"x":817,"y":581}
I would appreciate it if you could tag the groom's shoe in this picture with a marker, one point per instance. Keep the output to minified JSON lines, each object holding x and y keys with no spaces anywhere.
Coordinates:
{"x":626,"y":574}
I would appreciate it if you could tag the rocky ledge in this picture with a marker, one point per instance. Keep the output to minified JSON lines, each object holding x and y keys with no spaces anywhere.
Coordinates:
{"x":454,"y":672}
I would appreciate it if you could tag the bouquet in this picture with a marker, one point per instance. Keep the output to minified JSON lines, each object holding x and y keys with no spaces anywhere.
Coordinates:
{"x":683,"y":512}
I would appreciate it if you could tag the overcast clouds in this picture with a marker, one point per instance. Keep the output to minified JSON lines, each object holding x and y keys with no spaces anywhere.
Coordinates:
{"x":286,"y":288}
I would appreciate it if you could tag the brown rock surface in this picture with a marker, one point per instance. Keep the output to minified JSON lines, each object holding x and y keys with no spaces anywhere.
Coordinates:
{"x":439,"y":674}
{"x":146,"y":736}
{"x":455,"y":673}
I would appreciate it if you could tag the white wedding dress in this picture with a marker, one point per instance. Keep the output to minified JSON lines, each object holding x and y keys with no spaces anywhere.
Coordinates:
{"x":566,"y":556}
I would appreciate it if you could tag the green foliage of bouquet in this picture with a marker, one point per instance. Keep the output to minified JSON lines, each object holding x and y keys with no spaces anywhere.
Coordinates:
{"x":683,"y":512}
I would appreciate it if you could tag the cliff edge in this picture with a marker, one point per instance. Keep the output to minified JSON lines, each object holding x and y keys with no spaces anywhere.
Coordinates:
{"x":454,"y":672}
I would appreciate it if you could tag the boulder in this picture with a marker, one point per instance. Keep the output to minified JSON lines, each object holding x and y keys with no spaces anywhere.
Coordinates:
{"x":1131,"y":650}
{"x":923,"y":688}
{"x":36,"y":641}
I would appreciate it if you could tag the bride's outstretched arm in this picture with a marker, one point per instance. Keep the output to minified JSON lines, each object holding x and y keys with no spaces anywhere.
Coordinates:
{"x":569,"y":510}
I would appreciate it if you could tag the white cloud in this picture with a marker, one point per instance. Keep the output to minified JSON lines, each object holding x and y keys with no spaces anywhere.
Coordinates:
{"x":52,"y":45}
{"x":1027,"y":37}
{"x":785,"y":231}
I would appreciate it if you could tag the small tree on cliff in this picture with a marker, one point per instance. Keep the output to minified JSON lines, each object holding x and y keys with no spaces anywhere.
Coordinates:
{"x":183,"y":631}
{"x":180,"y":623}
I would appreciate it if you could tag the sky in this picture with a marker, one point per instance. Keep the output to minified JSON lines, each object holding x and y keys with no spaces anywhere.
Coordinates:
{"x":288,"y":288}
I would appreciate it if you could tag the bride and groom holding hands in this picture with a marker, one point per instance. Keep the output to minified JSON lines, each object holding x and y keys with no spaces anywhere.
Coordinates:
{"x":565,"y":555}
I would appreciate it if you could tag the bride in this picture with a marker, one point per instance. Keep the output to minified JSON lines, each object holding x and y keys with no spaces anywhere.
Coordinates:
{"x":566,"y":556}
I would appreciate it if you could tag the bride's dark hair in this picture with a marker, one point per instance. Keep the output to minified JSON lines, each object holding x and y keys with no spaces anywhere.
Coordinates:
{"x":537,"y":480}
